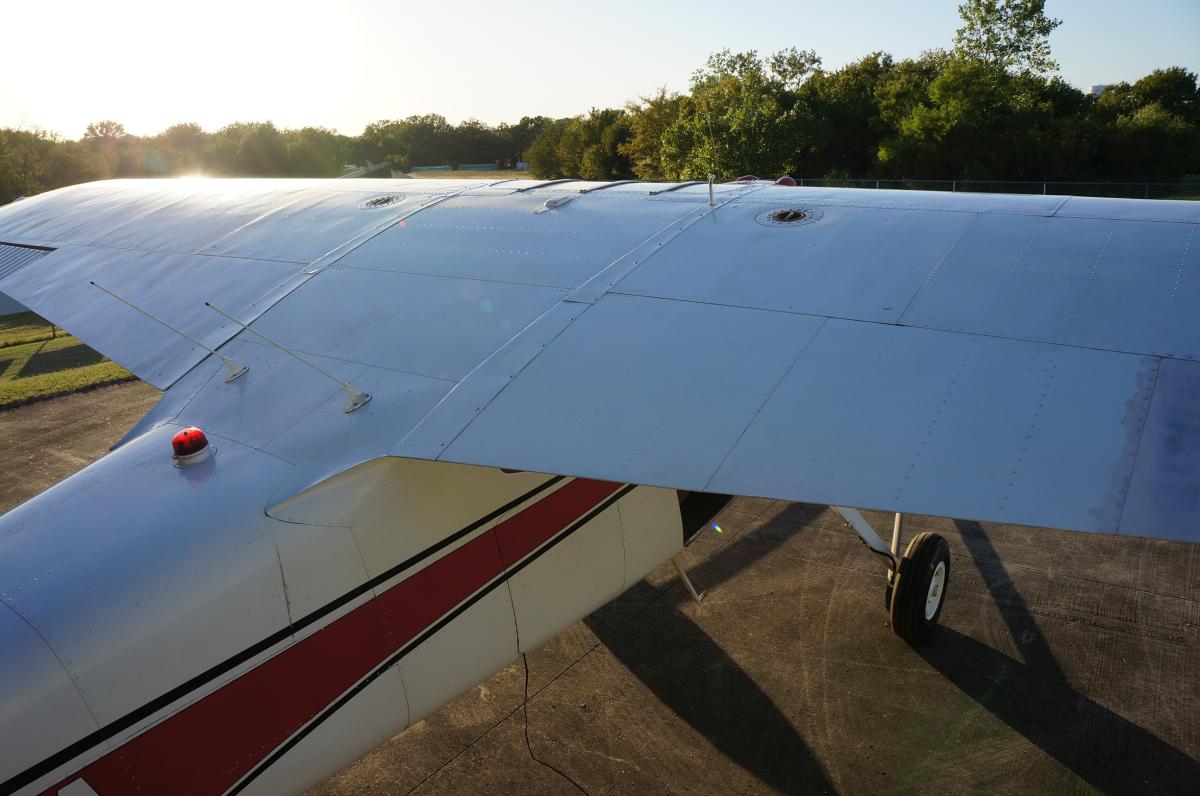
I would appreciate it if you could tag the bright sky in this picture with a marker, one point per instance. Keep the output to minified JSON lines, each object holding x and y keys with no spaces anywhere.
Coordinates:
{"x":345,"y":64}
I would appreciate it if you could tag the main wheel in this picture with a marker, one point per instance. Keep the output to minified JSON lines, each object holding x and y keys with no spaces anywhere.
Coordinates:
{"x":919,"y":588}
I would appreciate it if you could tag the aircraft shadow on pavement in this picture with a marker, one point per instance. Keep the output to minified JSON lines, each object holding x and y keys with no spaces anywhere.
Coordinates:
{"x":696,"y":679}
{"x":1034,"y":698}
{"x":693,"y":676}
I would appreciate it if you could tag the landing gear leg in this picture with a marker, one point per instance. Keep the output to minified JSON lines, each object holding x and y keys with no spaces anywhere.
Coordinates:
{"x":897,"y":529}
{"x":917,"y":581}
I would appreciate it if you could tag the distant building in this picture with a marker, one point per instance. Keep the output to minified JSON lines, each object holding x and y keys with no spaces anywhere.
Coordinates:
{"x":1099,"y":89}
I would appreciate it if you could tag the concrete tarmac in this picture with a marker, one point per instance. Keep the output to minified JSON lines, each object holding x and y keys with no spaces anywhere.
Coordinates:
{"x":1067,"y":662}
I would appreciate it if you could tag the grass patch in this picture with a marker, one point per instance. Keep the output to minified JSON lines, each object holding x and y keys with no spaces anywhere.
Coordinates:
{"x":31,"y":370}
{"x":15,"y":392}
{"x":25,"y":327}
{"x":47,"y":356}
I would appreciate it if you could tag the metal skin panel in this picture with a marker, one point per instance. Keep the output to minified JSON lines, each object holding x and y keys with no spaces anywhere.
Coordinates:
{"x":857,"y":263}
{"x":1164,"y":496}
{"x":656,"y":392}
{"x":505,"y":239}
{"x":428,"y":439}
{"x":314,"y":224}
{"x":651,"y":530}
{"x":140,"y":575}
{"x":480,"y":642}
{"x":276,"y":393}
{"x":1124,"y":286}
{"x":37,"y":696}
{"x":291,"y":411}
{"x":328,"y":439}
{"x":570,"y":581}
{"x":188,"y":215}
{"x":399,"y":507}
{"x":1130,"y":210}
{"x":81,"y":213}
{"x":420,"y":503}
{"x":188,"y":222}
{"x":431,"y":326}
{"x":960,"y":425}
{"x":338,"y":501}
{"x":371,"y":717}
{"x":172,"y":286}
{"x":77,"y":788}
{"x":954,"y":202}
{"x":319,"y":563}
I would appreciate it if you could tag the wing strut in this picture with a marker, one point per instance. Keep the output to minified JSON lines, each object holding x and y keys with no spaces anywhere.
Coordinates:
{"x":868,"y":535}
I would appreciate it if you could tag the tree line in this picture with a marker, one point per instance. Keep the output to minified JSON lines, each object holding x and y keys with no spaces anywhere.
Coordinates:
{"x":986,"y":108}
{"x":32,"y":161}
{"x":936,"y":117}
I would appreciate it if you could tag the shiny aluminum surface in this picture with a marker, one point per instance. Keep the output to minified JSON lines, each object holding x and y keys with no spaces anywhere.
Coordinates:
{"x":1014,"y":358}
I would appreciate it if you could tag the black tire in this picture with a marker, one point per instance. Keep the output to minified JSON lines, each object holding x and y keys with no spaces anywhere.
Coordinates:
{"x":910,"y":591}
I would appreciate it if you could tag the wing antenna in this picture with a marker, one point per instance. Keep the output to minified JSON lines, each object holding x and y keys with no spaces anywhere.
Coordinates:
{"x":357,"y":397}
{"x":235,"y":369}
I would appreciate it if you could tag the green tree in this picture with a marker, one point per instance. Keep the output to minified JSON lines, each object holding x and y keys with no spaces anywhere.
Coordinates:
{"x":979,"y":121}
{"x":1173,"y":89}
{"x":603,"y":159}
{"x":424,"y":140}
{"x":516,"y":138}
{"x":106,"y":130}
{"x":542,"y":154}
{"x":472,"y":141}
{"x":649,"y":120}
{"x":585,"y":147}
{"x":743,"y":116}
{"x":315,"y":152}
{"x":846,"y":126}
{"x":1009,"y":34}
{"x":105,"y":141}
{"x":184,"y":146}
{"x":1151,"y":144}
{"x":32,"y":161}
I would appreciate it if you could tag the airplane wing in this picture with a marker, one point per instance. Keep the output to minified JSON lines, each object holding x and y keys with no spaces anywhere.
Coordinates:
{"x":1022,"y":359}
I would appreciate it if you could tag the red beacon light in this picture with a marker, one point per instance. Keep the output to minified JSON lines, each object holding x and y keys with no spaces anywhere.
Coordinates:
{"x":786,"y":180}
{"x":190,"y":447}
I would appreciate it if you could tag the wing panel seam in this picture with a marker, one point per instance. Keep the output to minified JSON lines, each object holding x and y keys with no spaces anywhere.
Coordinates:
{"x":936,"y":268}
{"x":754,"y":416}
{"x":968,"y":332}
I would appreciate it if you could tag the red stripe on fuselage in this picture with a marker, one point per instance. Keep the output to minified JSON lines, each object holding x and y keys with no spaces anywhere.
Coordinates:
{"x":211,"y":744}
{"x":519,"y":536}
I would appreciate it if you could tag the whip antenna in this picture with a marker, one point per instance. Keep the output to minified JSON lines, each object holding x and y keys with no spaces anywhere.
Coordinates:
{"x":235,"y":369}
{"x":357,"y":397}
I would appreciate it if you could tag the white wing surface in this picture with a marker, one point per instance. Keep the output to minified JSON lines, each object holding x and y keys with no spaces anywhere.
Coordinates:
{"x":1016,"y":359}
